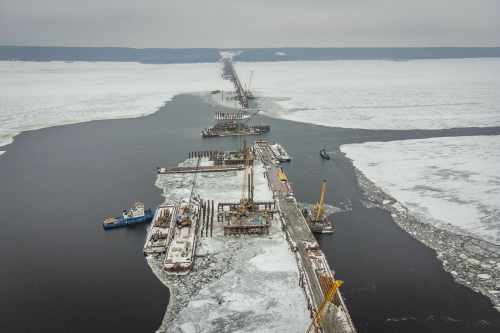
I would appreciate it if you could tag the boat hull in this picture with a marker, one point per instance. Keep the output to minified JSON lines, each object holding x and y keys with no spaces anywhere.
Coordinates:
{"x":123,"y":222}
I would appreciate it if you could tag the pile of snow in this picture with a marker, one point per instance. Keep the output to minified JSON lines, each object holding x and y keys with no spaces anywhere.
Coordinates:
{"x":376,"y":94}
{"x":452,"y":183}
{"x":41,"y":94}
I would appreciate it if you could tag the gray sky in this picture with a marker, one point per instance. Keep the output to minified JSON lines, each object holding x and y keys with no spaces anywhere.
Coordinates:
{"x":252,"y":23}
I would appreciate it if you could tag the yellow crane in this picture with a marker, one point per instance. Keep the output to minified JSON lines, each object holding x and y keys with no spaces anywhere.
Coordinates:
{"x":320,"y":315}
{"x":318,"y":209}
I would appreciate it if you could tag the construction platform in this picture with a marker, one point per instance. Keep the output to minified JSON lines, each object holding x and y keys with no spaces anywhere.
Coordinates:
{"x":233,"y":127}
{"x":180,"y":255}
{"x":160,"y":231}
{"x":215,"y":168}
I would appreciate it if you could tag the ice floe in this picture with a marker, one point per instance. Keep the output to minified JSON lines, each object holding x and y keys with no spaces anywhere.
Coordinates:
{"x":449,"y":182}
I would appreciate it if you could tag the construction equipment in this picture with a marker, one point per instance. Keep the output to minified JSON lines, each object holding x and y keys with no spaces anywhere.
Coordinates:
{"x":241,"y":208}
{"x":317,"y":213}
{"x":239,"y":134}
{"x":320,"y":315}
{"x":251,"y":117}
{"x":249,"y":203}
{"x":316,"y":219}
{"x":186,"y":222}
{"x":183,"y":223}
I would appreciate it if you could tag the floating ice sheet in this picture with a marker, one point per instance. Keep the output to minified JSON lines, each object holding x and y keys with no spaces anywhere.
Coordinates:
{"x":449,"y":182}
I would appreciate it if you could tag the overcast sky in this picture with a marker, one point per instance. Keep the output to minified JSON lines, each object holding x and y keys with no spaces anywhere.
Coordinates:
{"x":252,"y":23}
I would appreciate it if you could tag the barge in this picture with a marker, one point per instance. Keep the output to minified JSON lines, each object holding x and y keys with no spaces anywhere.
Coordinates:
{"x":181,"y":251}
{"x":160,"y":231}
{"x":232,"y":127}
{"x":136,"y":214}
{"x":279,"y":153}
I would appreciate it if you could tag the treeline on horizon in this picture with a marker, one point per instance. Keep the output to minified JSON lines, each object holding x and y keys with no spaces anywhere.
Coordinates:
{"x":170,"y":56}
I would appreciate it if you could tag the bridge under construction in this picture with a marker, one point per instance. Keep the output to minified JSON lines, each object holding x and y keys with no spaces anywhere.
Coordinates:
{"x":230,"y":73}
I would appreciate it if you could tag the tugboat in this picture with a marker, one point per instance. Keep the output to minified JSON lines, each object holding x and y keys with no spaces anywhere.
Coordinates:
{"x":135,"y":215}
{"x":323,"y":153}
{"x":209,"y":134}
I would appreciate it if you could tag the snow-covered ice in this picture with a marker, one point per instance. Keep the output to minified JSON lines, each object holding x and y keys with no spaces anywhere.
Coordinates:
{"x":449,"y":182}
{"x":376,"y":94}
{"x":41,"y":94}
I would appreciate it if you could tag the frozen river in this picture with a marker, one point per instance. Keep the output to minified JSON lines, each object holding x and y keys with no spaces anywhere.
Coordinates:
{"x":390,"y":264}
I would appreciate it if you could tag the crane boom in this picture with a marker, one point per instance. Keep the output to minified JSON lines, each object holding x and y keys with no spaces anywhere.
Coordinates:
{"x":241,"y":208}
{"x":251,"y":74}
{"x":319,"y":217}
{"x":251,"y":117}
{"x":323,"y":309}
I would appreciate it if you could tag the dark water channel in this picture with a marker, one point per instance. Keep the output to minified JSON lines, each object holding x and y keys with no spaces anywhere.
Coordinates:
{"x":61,"y":271}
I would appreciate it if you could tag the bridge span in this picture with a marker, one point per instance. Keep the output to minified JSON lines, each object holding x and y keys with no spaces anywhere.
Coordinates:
{"x":230,"y":73}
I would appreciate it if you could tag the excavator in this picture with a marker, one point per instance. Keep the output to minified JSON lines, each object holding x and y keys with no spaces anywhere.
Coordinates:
{"x":184,"y":220}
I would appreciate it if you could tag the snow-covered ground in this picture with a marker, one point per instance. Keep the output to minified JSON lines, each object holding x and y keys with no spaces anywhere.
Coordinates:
{"x":239,"y":283}
{"x":41,"y":94}
{"x":452,"y":182}
{"x":376,"y":94}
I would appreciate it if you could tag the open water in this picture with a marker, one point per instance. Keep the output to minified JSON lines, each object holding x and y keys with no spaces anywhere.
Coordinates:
{"x":61,"y":271}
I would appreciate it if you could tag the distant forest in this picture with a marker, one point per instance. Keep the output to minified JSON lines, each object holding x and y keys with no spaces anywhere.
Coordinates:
{"x":170,"y":56}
